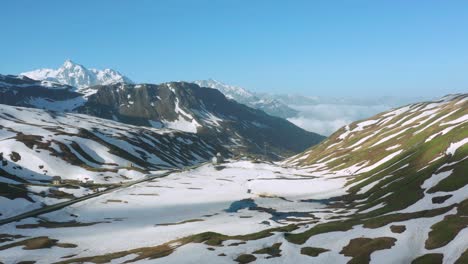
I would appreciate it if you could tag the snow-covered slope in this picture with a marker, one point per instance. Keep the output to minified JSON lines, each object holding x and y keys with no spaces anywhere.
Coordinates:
{"x":36,"y":145}
{"x":76,"y":146}
{"x":77,"y":75}
{"x":268,"y":105}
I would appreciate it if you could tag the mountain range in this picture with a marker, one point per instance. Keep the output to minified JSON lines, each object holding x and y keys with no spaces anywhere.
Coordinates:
{"x":270,"y":106}
{"x":177,"y":105}
{"x":77,"y":75}
{"x":318,"y":114}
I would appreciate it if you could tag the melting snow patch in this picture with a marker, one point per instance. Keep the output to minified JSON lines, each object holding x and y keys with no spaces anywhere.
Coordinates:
{"x":182,"y":124}
{"x":461,"y":119}
{"x":373,"y":208}
{"x":380,"y":162}
{"x":435,"y":179}
{"x":393,"y":147}
{"x":368,"y":187}
{"x":441,"y":133}
{"x":454,"y":146}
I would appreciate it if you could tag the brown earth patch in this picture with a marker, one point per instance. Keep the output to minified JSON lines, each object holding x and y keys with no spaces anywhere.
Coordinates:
{"x":398,"y":228}
{"x":114,"y":201}
{"x":37,"y":243}
{"x":180,"y":223}
{"x":245,"y":258}
{"x":15,"y":156}
{"x":361,"y":248}
{"x":313,"y":251}
{"x":51,"y":224}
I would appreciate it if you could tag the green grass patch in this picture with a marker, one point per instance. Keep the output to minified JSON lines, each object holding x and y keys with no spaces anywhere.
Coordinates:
{"x":446,"y":230}
{"x":301,"y":238}
{"x":313,"y":251}
{"x":455,"y":181}
{"x":463,"y":259}
{"x":431,"y":258}
{"x":273,"y":251}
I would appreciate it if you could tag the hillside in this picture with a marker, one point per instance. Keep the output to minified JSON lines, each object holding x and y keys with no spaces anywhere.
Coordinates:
{"x":390,"y":189}
{"x":36,"y":145}
{"x":405,"y":167}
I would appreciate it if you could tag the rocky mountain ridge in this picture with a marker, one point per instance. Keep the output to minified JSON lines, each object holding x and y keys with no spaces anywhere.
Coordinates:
{"x":177,"y":105}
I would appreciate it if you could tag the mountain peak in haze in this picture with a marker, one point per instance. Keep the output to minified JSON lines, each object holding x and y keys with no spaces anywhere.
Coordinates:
{"x":254,"y":100}
{"x":79,"y":76}
{"x":232,"y":92}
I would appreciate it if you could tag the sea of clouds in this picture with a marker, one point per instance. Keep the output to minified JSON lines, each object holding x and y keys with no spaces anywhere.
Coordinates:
{"x":327,"y":118}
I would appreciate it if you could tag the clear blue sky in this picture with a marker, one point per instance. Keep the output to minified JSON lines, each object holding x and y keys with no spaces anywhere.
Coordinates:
{"x":349,"y":48}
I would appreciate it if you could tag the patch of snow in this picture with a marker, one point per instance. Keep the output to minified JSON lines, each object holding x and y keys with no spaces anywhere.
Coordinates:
{"x":454,"y":146}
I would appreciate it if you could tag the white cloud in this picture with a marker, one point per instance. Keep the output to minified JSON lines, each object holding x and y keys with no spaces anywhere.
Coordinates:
{"x":327,"y":118}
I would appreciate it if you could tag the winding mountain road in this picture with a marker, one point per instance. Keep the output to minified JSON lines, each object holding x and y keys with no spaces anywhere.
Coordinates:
{"x":58,"y":206}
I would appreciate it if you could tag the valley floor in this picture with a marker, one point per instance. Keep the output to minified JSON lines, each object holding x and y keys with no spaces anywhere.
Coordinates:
{"x":239,"y":211}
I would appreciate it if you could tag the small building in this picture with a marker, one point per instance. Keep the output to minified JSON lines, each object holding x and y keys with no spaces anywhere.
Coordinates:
{"x":218,"y":159}
{"x":56,"y":180}
{"x":89,"y":182}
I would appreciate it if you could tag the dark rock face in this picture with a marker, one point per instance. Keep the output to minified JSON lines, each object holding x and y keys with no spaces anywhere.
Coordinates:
{"x":217,"y":118}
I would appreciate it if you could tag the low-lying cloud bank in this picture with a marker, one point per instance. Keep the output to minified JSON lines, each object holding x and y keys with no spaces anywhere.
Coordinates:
{"x":327,"y":118}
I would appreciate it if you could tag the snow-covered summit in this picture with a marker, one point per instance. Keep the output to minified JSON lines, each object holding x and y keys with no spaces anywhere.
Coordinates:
{"x":77,"y":75}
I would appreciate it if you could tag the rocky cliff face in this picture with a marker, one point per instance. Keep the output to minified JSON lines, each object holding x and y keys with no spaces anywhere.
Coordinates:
{"x":188,"y":107}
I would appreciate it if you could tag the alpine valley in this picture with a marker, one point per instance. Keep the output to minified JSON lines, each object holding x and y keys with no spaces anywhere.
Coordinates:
{"x":95,"y":168}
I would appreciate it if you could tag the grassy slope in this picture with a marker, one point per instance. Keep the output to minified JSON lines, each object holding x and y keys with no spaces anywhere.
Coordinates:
{"x":397,"y":184}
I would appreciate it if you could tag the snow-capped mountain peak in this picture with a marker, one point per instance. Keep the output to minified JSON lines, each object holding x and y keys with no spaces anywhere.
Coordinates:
{"x":77,"y":75}
{"x":70,"y":64}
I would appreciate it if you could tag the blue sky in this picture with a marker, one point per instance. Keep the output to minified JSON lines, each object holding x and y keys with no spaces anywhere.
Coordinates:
{"x":331,"y":48}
